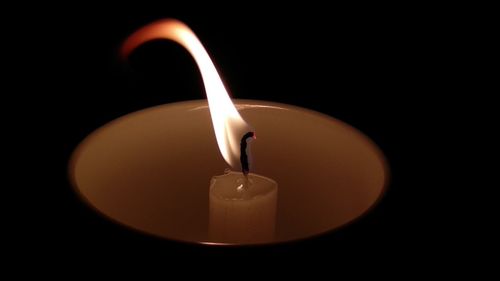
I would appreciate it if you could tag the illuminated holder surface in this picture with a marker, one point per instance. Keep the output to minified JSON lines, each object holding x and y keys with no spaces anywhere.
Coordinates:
{"x":150,"y":170}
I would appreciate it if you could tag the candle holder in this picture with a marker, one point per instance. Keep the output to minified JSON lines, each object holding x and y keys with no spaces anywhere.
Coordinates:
{"x":150,"y":170}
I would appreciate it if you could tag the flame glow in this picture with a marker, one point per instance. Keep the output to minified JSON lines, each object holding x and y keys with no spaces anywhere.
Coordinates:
{"x":228,"y":125}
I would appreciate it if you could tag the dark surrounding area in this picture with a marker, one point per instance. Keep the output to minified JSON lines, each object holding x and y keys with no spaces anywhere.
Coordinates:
{"x":376,"y":68}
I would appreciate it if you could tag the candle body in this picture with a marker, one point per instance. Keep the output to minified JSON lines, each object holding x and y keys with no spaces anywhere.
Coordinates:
{"x":241,"y":210}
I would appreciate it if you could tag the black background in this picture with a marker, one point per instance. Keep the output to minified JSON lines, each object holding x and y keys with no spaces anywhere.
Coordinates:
{"x":379,"y":69}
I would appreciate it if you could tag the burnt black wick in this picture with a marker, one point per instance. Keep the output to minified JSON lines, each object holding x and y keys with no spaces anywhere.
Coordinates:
{"x":243,"y":152}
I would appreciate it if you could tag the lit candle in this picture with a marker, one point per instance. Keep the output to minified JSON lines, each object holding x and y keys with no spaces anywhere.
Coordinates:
{"x":242,"y":207}
{"x":138,"y":170}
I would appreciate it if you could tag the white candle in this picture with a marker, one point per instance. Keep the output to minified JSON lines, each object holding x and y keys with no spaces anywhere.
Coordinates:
{"x":241,"y":210}
{"x":138,"y":170}
{"x":238,"y":213}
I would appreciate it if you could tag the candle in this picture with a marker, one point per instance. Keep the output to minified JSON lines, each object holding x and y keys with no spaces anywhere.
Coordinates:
{"x":239,"y":212}
{"x":147,"y":169}
{"x":242,"y":209}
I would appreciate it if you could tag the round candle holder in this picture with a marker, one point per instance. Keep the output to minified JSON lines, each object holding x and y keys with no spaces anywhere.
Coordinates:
{"x":150,"y":170}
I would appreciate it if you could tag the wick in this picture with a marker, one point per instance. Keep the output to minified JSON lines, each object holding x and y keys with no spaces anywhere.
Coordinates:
{"x":243,"y":153}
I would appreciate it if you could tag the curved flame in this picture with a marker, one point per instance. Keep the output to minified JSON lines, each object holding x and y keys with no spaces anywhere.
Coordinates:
{"x":228,"y":125}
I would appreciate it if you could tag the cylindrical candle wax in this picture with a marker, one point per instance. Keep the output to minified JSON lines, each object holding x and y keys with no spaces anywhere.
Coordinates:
{"x":242,"y":210}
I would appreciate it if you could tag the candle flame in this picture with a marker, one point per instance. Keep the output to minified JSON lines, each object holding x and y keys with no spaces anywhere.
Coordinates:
{"x":228,"y":125}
